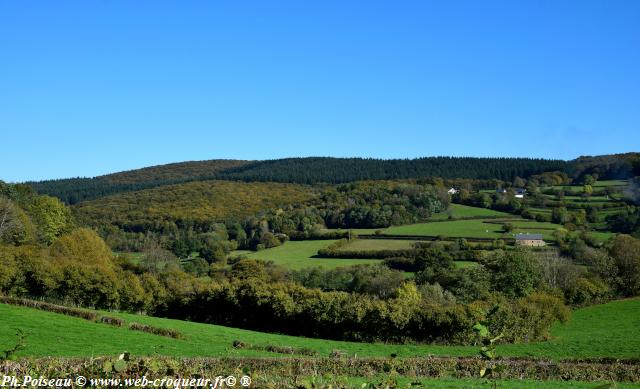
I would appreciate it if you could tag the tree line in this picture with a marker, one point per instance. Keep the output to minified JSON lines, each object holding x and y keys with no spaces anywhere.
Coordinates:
{"x":297,"y":170}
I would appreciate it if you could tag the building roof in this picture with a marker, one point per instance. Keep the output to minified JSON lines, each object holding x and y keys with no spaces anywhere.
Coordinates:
{"x":529,"y":237}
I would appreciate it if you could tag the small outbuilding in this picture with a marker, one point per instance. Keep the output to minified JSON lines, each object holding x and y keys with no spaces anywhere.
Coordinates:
{"x":532,"y":240}
{"x":452,"y":191}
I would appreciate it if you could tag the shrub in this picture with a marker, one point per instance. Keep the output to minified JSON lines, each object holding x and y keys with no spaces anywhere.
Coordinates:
{"x":275,"y":349}
{"x":586,"y":291}
{"x":113,"y":321}
{"x":268,"y":371}
{"x":401,"y":263}
{"x":168,"y":332}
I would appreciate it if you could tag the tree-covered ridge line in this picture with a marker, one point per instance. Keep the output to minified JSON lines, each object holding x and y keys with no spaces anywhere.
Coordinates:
{"x":313,"y":170}
{"x":310,"y":170}
{"x":341,"y":170}
{"x":78,"y":189}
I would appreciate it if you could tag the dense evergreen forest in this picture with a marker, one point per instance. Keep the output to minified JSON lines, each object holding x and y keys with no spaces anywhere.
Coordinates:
{"x":340,"y":170}
{"x":75,"y":190}
{"x":334,"y":170}
{"x":299,"y":171}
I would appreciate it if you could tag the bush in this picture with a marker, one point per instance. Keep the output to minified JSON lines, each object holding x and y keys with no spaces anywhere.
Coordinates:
{"x":401,"y":263}
{"x":275,"y":349}
{"x":528,"y":319}
{"x":278,"y":372}
{"x":587,"y":291}
{"x":113,"y":321}
{"x":171,"y":333}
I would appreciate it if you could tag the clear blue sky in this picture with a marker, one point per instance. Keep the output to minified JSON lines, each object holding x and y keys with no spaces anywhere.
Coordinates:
{"x":92,"y":87}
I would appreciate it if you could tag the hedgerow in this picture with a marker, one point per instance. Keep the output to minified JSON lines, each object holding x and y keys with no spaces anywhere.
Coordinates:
{"x":45,"y":306}
{"x":288,"y":370}
{"x":275,"y":348}
{"x":114,"y":321}
{"x":168,"y":332}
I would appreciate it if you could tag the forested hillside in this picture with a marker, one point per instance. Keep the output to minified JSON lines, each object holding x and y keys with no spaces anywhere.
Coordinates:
{"x":608,"y":167}
{"x":74,"y":190}
{"x":189,"y":204}
{"x":200,"y":216}
{"x":339,"y":170}
{"x":298,"y":170}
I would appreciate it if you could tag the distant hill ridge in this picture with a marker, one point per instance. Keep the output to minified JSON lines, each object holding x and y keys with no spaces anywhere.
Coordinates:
{"x":75,"y":190}
{"x":312,"y":170}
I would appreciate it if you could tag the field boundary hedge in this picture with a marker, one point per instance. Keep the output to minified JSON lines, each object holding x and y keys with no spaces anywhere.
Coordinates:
{"x":453,"y":219}
{"x":45,"y":306}
{"x":272,"y":348}
{"x":88,"y":315}
{"x":168,"y":332}
{"x":293,"y":368}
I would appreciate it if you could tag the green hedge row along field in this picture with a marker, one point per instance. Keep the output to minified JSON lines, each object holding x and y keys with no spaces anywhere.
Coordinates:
{"x":297,"y":255}
{"x":602,"y":331}
{"x":335,"y":372}
{"x":377,"y":244}
{"x":356,"y":231}
{"x":471,"y":383}
{"x":618,"y":184}
{"x":459,"y":211}
{"x":475,"y":228}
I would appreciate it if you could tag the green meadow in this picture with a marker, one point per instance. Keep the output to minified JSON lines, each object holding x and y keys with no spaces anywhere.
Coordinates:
{"x":297,"y":255}
{"x":474,"y":228}
{"x":459,"y":211}
{"x":378,"y":244}
{"x":608,"y":330}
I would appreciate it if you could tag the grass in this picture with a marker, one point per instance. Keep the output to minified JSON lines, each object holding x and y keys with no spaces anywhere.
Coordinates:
{"x":297,"y":255}
{"x":611,"y":183}
{"x":525,"y":224}
{"x":602,"y":236}
{"x":473,"y":229}
{"x":356,"y":231}
{"x":378,"y":244}
{"x":541,"y":210}
{"x":597,"y":184}
{"x":458,"y":211}
{"x":609,"y":330}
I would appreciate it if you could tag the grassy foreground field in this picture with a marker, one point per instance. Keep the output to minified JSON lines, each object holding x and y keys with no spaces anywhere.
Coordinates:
{"x":609,"y":330}
{"x":297,"y":255}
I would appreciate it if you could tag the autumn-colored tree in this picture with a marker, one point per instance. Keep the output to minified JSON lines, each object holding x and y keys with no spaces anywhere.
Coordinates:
{"x":625,"y":252}
{"x":50,"y":216}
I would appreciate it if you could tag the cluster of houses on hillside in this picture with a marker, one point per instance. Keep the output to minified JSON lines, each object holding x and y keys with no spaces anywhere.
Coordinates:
{"x":518,"y":192}
{"x":532,"y":240}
